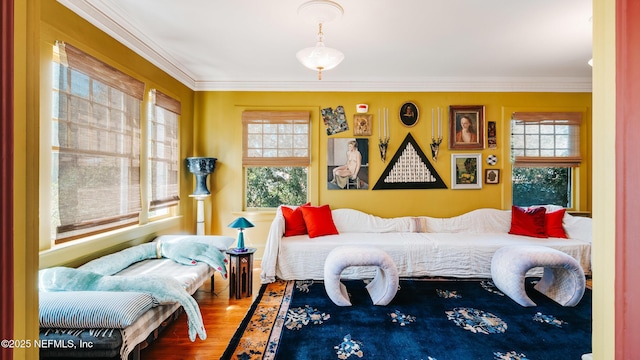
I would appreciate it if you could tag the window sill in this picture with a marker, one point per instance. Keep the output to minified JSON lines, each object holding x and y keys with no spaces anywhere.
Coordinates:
{"x":77,"y":252}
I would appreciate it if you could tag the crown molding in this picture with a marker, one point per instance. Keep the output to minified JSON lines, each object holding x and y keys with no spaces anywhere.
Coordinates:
{"x":108,"y":20}
{"x":427,"y":85}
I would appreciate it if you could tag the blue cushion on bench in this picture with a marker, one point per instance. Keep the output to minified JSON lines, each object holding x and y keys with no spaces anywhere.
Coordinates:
{"x":92,"y":309}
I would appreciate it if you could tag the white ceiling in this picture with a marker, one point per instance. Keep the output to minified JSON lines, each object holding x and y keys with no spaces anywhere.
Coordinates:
{"x":389,"y":45}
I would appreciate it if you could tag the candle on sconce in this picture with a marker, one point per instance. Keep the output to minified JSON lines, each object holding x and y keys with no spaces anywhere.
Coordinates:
{"x":439,"y":124}
{"x":379,"y":122}
{"x":386,"y":121}
{"x":384,"y":125}
{"x":432,"y":122}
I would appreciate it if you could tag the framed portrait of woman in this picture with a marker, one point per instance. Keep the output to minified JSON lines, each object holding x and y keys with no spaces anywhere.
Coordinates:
{"x":409,"y":114}
{"x":348,"y":163}
{"x":466,"y":127}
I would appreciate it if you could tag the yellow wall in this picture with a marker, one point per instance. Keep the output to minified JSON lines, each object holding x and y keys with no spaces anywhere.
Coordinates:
{"x":219,"y":134}
{"x":25,"y":245}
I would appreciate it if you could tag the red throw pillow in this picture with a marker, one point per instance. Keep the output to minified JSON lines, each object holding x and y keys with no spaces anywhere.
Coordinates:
{"x":530,"y":222}
{"x":293,"y":221}
{"x":554,"y":224}
{"x":318,"y":220}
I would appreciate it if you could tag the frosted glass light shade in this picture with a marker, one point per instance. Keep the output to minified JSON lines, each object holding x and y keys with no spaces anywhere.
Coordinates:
{"x":320,"y":58}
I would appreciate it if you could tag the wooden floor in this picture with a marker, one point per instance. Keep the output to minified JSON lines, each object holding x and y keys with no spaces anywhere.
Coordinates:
{"x":221,"y":317}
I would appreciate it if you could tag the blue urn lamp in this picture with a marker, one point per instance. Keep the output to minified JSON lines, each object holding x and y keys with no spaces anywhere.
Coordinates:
{"x":201,"y":167}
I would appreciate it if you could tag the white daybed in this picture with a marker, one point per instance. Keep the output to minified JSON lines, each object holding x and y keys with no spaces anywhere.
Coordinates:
{"x":461,"y":246}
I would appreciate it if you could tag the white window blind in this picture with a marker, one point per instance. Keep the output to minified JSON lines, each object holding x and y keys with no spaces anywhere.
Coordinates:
{"x":546,"y":139}
{"x":163,"y":150}
{"x":96,"y":144}
{"x":276,"y":138}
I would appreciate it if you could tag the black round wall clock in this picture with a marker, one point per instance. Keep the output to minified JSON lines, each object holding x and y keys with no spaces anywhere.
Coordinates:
{"x":409,"y":114}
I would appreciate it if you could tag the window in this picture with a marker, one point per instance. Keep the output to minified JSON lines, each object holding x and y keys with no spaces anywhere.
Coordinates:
{"x":95,"y":145}
{"x":163,"y":152}
{"x":276,"y":157}
{"x":545,"y":148}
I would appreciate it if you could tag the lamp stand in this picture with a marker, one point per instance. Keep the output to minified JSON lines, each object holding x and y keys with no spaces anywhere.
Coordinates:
{"x":240,"y":246}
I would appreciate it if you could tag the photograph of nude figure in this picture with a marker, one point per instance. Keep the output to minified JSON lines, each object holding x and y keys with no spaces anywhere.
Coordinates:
{"x":348,"y":163}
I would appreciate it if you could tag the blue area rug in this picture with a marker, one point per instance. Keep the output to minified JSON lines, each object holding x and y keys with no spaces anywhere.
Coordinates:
{"x":428,"y":319}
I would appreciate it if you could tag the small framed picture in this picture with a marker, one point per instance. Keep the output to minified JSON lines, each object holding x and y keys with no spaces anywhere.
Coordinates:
{"x":492,"y":176}
{"x":466,"y":127}
{"x":492,"y":142}
{"x":465,"y":171}
{"x":409,"y":114}
{"x":362,"y":125}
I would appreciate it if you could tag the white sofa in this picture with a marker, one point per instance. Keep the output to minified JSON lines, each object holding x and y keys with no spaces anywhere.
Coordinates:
{"x":460,"y":246}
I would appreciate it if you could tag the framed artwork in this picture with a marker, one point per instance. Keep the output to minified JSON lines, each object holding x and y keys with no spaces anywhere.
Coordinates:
{"x":362,"y":125}
{"x":335,"y":121}
{"x":409,"y":114}
{"x":409,"y":169}
{"x":492,"y":142}
{"x":466,"y":127}
{"x":492,"y":176}
{"x":347,"y":163}
{"x":465,"y":171}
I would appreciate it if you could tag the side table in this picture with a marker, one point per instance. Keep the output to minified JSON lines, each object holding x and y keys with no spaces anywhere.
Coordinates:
{"x":240,"y":272}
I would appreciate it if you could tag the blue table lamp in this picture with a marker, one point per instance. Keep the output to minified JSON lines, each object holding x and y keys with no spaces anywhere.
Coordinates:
{"x":241,"y":223}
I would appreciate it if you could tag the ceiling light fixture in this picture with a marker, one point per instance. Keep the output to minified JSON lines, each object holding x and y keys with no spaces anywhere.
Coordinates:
{"x":320,"y":57}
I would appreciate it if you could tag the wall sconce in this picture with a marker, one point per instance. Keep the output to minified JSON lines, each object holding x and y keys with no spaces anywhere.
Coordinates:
{"x":435,"y":141}
{"x":384,"y":133}
{"x":241,"y":223}
{"x":435,"y":148}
